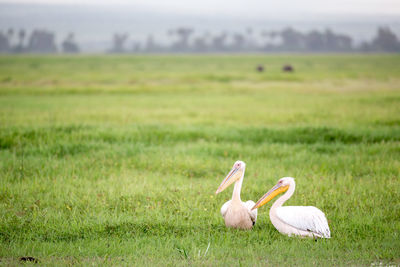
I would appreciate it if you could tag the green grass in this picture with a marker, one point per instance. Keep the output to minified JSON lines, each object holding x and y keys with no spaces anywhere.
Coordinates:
{"x":111,"y":160}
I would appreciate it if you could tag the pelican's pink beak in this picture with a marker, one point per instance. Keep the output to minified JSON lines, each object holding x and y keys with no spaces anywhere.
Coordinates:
{"x":232,"y":177}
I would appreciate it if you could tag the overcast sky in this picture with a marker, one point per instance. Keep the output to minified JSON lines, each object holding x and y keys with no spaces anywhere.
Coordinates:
{"x":246,"y":8}
{"x":94,"y":21}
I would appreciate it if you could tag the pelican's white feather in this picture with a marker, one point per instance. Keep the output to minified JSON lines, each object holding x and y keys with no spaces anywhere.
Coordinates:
{"x":306,"y":218}
{"x":225,"y":207}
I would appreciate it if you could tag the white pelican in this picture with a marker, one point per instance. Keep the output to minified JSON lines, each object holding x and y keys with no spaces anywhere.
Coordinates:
{"x":237,"y":214}
{"x":294,"y":220}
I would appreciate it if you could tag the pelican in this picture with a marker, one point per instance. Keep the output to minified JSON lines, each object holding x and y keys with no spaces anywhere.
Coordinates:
{"x":307,"y":221}
{"x":237,"y":214}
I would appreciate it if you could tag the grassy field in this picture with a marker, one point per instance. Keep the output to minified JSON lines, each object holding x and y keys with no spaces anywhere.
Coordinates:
{"x":115,"y":159}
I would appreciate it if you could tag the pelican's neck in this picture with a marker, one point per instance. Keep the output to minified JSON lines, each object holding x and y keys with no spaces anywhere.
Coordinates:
{"x":237,"y":189}
{"x":279,"y":202}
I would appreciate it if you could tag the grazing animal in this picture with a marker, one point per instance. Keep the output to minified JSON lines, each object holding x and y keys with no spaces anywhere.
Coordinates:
{"x":237,"y":214}
{"x":260,"y":68}
{"x":287,"y":68}
{"x":294,"y":220}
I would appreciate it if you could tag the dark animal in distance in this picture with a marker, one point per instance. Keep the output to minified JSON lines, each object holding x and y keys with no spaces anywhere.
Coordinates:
{"x":287,"y":68}
{"x":260,"y":68}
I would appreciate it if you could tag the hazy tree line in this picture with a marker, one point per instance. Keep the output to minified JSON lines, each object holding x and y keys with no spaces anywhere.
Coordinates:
{"x":184,"y":39}
{"x":38,"y":41}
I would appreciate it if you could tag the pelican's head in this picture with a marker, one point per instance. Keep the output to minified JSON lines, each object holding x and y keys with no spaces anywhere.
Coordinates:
{"x":282,"y":186}
{"x":235,"y":174}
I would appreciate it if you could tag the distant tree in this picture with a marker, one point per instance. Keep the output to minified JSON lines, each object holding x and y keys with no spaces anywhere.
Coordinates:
{"x":10,"y":34}
{"x":69,"y":45}
{"x":200,"y":44}
{"x":365,"y":47}
{"x":119,"y":42}
{"x":292,"y":40}
{"x":273,"y":34}
{"x":239,"y":42}
{"x":272,"y":40}
{"x":183,"y":35}
{"x":151,"y":45}
{"x":344,"y":42}
{"x":19,"y":48}
{"x":218,"y":42}
{"x":249,"y":40}
{"x":41,"y":41}
{"x":21,"y":37}
{"x":136,"y":47}
{"x":337,"y":42}
{"x":385,"y":41}
{"x":330,"y":40}
{"x":315,"y":41}
{"x":4,"y":43}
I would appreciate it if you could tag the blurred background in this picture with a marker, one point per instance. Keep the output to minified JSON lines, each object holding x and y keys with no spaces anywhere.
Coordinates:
{"x":238,"y":26}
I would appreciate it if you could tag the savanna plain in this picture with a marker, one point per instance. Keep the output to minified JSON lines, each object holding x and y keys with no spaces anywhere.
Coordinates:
{"x":115,"y":160}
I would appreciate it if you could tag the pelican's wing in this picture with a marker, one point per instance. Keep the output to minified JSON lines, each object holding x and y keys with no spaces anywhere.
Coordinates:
{"x":225,"y":207}
{"x":253,"y":213}
{"x":306,"y":218}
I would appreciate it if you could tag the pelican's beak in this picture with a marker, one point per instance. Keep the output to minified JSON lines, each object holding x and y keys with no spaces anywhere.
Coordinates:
{"x":232,"y":177}
{"x":276,"y":190}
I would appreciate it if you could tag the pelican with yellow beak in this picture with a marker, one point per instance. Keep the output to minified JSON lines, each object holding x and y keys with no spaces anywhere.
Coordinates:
{"x":305,"y":221}
{"x":237,"y":214}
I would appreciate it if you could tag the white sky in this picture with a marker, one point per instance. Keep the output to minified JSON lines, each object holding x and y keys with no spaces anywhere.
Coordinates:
{"x":247,"y":8}
{"x":357,"y":18}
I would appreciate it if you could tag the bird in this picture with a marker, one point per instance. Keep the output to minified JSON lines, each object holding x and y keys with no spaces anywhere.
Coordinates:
{"x":236,"y":213}
{"x":305,"y":221}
